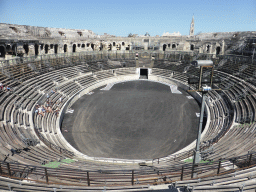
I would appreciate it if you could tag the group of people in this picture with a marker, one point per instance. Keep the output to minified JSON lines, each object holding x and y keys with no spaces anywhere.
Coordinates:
{"x":49,"y":106}
{"x":4,"y":88}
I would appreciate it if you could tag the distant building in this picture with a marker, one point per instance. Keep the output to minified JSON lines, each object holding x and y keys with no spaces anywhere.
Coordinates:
{"x":192,"y":27}
{"x":167,"y":34}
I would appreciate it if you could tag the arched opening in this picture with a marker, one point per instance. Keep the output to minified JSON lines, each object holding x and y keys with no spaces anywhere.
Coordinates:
{"x":169,"y":45}
{"x":65,"y":48}
{"x":42,"y":46}
{"x":88,"y":44}
{"x":208,"y":48}
{"x":25,"y":47}
{"x":192,"y":47}
{"x":92,"y":46}
{"x":46,"y":48}
{"x":74,"y":48}
{"x":8,"y":47}
{"x":110,"y":47}
{"x":164,"y":47}
{"x":173,"y":46}
{"x":14,"y":49}
{"x":51,"y":46}
{"x":128,"y":48}
{"x":217,"y":50}
{"x":79,"y":45}
{"x":2,"y":51}
{"x":83,"y":45}
{"x":101,"y":46}
{"x":36,"y":49}
{"x":123,"y":44}
{"x":114,"y":44}
{"x":55,"y":48}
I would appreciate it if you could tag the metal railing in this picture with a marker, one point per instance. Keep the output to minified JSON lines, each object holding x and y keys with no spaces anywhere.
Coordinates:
{"x":117,"y":177}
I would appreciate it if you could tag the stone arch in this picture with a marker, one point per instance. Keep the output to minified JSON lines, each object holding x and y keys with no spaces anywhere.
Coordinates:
{"x":114,"y":43}
{"x":145,"y":55}
{"x":56,"y":48}
{"x":164,"y":47}
{"x":218,"y":50}
{"x":36,"y":49}
{"x":74,"y":48}
{"x":8,"y":48}
{"x":65,"y":48}
{"x":2,"y":51}
{"x":173,"y":46}
{"x":208,"y":48}
{"x":46,"y":48}
{"x":92,"y":46}
{"x":128,"y":48}
{"x":14,"y":49}
{"x":26,"y":48}
{"x":42,"y":46}
{"x":101,"y":46}
{"x":192,"y":47}
{"x":83,"y":45}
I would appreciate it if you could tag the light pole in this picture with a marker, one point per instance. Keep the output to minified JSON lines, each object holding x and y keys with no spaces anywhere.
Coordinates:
{"x":253,"y":53}
{"x":204,"y":85}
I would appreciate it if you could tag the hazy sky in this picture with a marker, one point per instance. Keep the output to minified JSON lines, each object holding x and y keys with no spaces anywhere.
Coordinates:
{"x":119,"y":17}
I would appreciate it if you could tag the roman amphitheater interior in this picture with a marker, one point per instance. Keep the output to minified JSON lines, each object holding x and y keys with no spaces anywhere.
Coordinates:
{"x":68,"y":66}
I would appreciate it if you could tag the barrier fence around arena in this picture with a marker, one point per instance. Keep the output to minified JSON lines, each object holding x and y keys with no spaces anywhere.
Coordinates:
{"x":149,"y":175}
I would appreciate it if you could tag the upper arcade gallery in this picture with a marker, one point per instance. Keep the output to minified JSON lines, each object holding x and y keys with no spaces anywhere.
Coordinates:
{"x":11,"y":48}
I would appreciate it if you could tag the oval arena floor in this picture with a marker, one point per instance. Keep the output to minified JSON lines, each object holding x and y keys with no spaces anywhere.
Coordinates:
{"x":133,"y":120}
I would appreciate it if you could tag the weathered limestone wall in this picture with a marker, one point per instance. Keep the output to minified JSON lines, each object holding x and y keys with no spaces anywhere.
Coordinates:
{"x":22,"y":40}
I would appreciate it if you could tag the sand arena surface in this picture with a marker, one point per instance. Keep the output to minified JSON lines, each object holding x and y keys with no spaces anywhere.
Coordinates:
{"x":132,"y":120}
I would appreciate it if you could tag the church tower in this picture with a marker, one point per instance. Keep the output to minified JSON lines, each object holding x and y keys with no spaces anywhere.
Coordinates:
{"x":192,"y":27}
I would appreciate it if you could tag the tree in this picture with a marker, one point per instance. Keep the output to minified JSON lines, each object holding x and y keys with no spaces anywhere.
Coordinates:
{"x":130,"y":35}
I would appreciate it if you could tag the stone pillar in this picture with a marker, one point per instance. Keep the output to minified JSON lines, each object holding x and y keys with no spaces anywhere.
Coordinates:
{"x":210,"y":48}
{"x":200,"y":49}
{"x":113,"y":48}
{"x":31,"y":49}
{"x":145,"y":46}
{"x":223,"y":48}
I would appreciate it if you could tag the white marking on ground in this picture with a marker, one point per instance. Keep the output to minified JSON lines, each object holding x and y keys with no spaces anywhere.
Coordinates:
{"x":108,"y":87}
{"x":90,"y":93}
{"x":190,"y":97}
{"x":174,"y":89}
{"x":198,"y":114}
{"x":70,"y":111}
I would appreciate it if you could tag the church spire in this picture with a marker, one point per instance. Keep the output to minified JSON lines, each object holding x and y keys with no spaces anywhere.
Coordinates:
{"x":192,"y":27}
